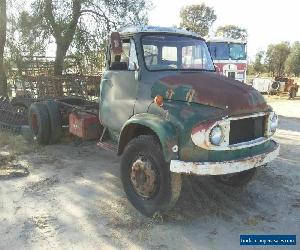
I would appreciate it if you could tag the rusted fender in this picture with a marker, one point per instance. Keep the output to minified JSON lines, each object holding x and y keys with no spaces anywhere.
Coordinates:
{"x":164,"y":130}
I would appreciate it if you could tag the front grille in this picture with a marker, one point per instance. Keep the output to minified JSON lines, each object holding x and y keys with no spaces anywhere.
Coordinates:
{"x":247,"y":129}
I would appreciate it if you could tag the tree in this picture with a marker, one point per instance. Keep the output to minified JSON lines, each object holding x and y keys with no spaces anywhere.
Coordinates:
{"x":3,"y":21}
{"x":258,"y":66}
{"x":90,"y":40}
{"x":232,"y":31}
{"x":25,"y":38}
{"x":197,"y":18}
{"x":276,"y":56}
{"x":62,"y":28}
{"x":292,"y":64}
{"x":67,"y":19}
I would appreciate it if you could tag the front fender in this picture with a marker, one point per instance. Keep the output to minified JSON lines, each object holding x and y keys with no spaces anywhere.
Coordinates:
{"x":163,"y":129}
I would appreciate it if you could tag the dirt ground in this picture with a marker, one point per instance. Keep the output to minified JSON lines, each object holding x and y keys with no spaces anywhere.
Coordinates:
{"x":72,"y":199}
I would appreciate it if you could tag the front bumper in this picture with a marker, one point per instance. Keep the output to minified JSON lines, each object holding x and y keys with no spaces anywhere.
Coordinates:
{"x":225,"y":167}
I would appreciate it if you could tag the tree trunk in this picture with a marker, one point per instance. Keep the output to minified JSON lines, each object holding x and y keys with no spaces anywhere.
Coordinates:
{"x":59,"y":59}
{"x":63,"y":34}
{"x":3,"y":20}
{"x":61,"y":52}
{"x":3,"y":82}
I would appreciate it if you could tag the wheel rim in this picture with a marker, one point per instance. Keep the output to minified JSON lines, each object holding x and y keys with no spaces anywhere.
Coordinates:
{"x":144,"y":177}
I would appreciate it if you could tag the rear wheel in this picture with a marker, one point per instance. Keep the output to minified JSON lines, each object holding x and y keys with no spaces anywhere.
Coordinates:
{"x":237,"y":180}
{"x":39,"y":122}
{"x":147,"y":180}
{"x":55,"y":121}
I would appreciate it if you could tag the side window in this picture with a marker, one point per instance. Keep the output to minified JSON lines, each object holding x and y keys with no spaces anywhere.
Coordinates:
{"x":193,"y":57}
{"x":125,"y":53}
{"x":120,"y":62}
{"x":169,"y":54}
{"x":133,"y":60}
{"x":151,"y":55}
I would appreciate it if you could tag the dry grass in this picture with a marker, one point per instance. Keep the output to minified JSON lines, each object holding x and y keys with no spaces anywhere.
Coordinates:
{"x":15,"y":144}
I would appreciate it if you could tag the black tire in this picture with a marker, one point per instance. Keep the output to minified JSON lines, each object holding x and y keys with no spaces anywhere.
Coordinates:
{"x":55,"y":118}
{"x":237,"y":180}
{"x":39,"y":122}
{"x":275,"y":86}
{"x":167,"y":184}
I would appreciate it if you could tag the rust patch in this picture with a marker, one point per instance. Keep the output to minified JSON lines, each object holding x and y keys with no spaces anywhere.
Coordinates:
{"x":190,"y":95}
{"x":225,"y":167}
{"x":169,"y":93}
{"x":218,"y":91}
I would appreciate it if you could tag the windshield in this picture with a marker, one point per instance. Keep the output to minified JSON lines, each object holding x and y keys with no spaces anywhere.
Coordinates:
{"x":225,"y":51}
{"x":170,"y":52}
{"x":237,"y":51}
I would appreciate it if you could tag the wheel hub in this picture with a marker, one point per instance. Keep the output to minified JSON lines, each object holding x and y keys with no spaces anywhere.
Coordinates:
{"x":143,"y":178}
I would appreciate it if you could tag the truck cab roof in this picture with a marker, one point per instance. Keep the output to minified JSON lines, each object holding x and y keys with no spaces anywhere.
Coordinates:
{"x":130,"y":31}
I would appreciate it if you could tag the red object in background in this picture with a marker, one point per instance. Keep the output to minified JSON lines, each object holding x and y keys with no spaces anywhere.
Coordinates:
{"x":240,"y":66}
{"x":84,"y":125}
{"x":116,"y":43}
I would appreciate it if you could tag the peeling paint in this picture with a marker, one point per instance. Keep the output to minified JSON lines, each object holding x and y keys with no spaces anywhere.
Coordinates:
{"x":213,"y":90}
{"x":200,"y":133}
{"x":225,"y":167}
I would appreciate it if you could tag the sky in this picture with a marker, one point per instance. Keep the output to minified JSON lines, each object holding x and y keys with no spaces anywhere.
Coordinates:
{"x":267,"y":21}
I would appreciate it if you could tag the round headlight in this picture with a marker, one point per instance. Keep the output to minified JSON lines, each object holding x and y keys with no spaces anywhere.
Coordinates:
{"x":273,"y":123}
{"x":216,"y":136}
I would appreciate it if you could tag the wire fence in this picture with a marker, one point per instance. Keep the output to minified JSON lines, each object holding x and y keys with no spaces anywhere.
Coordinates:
{"x":11,"y":117}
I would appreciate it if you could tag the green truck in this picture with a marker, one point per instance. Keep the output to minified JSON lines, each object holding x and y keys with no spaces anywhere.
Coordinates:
{"x":166,"y":112}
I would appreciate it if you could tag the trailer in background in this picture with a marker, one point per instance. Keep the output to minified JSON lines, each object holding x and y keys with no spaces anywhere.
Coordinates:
{"x":277,"y":85}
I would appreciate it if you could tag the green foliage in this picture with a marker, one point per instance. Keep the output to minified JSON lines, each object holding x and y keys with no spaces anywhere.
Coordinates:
{"x":89,"y":41}
{"x":81,"y":26}
{"x":292,"y":64}
{"x":88,"y":50}
{"x":26,"y":38}
{"x":258,"y":65}
{"x":250,"y":70}
{"x":232,"y":31}
{"x":276,"y":57}
{"x":197,"y":18}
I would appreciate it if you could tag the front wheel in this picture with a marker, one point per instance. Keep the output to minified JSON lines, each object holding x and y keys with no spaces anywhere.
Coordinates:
{"x":238,"y":179}
{"x":146,"y":177}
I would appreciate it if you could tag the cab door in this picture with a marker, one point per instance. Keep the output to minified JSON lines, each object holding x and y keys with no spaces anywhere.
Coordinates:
{"x":118,"y":91}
